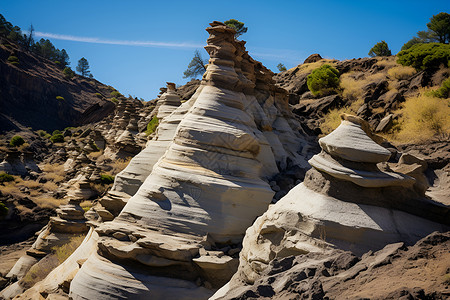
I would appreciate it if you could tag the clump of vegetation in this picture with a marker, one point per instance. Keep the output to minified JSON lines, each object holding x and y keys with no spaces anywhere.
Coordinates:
{"x":61,"y":98}
{"x":438,"y":31}
{"x":68,"y":73}
{"x":333,"y":118}
{"x":3,"y":209}
{"x":196,"y":67}
{"x":98,"y":95}
{"x":64,"y":251}
{"x":380,"y":49}
{"x":151,"y":126}
{"x":116,"y":94}
{"x":425,"y":56}
{"x":106,"y":179}
{"x":14,"y":60}
{"x":83,"y":68}
{"x":323,"y":81}
{"x":443,"y":91}
{"x":16,"y":141}
{"x":114,"y":100}
{"x":281,"y":67}
{"x":57,"y":138}
{"x":236,"y":25}
{"x":424,"y":117}
{"x":401,"y":72}
{"x":5,"y":177}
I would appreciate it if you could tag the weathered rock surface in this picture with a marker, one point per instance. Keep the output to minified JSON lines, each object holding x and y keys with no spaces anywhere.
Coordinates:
{"x":337,"y":207}
{"x":394,"y":272}
{"x":205,"y":189}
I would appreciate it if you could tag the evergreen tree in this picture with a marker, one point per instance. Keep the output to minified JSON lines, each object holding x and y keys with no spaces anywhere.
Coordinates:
{"x":83,"y":67}
{"x":236,"y":25}
{"x":440,"y":27}
{"x":5,"y":27}
{"x":380,"y":49}
{"x":196,"y":66}
{"x":281,"y":67}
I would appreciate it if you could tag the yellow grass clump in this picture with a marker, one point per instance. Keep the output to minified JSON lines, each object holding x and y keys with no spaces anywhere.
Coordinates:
{"x":424,"y":118}
{"x":401,"y":72}
{"x":47,"y":201}
{"x":86,"y":205}
{"x":64,"y":251}
{"x":119,"y":164}
{"x":53,"y":172}
{"x":387,"y":62}
{"x":309,"y":67}
{"x":50,"y":186}
{"x":333,"y":118}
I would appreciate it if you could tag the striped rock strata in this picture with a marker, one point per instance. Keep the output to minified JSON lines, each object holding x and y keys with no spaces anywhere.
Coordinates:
{"x":171,"y":237}
{"x":345,"y":202}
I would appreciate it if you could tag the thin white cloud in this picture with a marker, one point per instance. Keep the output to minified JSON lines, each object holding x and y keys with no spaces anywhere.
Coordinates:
{"x":94,"y":40}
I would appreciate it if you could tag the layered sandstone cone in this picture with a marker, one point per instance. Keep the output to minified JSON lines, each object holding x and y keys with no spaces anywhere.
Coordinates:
{"x":345,"y":202}
{"x":69,"y":222}
{"x":203,"y":192}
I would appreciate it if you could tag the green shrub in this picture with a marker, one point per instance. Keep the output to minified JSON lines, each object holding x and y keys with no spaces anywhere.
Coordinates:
{"x":16,"y":141}
{"x":116,"y":94}
{"x":57,"y":138}
{"x":68,"y":73}
{"x":380,"y":49}
{"x":114,"y":100}
{"x":106,"y":179}
{"x":5,"y":177}
{"x":59,"y":98}
{"x":99,"y":95}
{"x":443,"y":91}
{"x":56,"y":132}
{"x":42,"y":133}
{"x":14,"y":60}
{"x":425,"y":56}
{"x":3,"y":209}
{"x":151,"y":127}
{"x":323,"y":80}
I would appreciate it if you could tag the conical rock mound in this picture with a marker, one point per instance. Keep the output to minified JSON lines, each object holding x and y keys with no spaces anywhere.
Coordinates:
{"x":345,"y":202}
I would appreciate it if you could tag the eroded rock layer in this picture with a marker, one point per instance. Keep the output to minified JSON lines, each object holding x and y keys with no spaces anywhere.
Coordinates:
{"x":346,"y":202}
{"x":187,"y":216}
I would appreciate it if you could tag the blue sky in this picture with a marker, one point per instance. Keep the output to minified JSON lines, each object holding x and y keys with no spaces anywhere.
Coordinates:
{"x":136,"y":46}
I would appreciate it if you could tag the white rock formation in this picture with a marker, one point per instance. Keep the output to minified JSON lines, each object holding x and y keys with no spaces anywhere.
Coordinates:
{"x":337,"y":208}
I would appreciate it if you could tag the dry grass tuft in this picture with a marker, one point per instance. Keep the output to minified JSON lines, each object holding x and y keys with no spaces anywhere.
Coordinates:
{"x":47,"y":201}
{"x":53,"y":172}
{"x":119,"y":164}
{"x":423,"y":118}
{"x":352,"y":87}
{"x":333,"y":118}
{"x":86,"y":205}
{"x":309,"y":67}
{"x":95,"y":155}
{"x":387,"y":62}
{"x":401,"y":72}
{"x":50,"y":186}
{"x":64,"y":251}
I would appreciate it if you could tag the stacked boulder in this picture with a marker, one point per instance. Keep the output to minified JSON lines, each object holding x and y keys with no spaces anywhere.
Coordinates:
{"x":18,"y":163}
{"x":346,"y":202}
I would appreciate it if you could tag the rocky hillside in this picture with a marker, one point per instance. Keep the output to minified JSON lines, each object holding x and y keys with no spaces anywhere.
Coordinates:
{"x":35,"y":93}
{"x":372,"y":88}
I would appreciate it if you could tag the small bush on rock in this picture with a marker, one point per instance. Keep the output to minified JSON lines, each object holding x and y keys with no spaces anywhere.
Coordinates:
{"x":425,"y":56}
{"x":380,"y":49}
{"x":3,"y":209}
{"x":106,"y":179}
{"x":5,"y":177}
{"x":323,"y":80}
{"x":151,"y":127}
{"x":60,"y":98}
{"x":57,"y":138}
{"x":14,"y":60}
{"x":443,"y":91}
{"x":16,"y":141}
{"x":68,"y":73}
